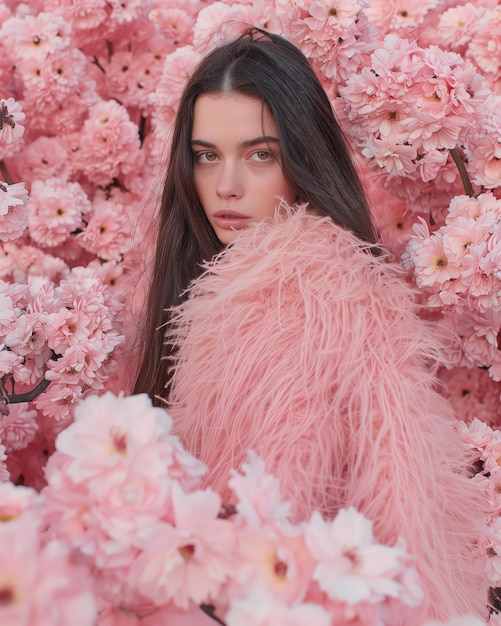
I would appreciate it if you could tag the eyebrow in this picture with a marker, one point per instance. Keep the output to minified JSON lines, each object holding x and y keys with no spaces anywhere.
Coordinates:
{"x":245,"y":144}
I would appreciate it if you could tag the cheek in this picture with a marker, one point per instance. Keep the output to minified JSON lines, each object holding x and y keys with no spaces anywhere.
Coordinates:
{"x":201,"y":184}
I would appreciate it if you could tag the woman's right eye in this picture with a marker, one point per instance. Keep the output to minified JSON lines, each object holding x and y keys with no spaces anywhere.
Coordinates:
{"x":206,"y":157}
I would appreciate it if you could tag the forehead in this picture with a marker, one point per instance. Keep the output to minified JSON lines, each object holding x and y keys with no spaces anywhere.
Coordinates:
{"x":231,"y":115}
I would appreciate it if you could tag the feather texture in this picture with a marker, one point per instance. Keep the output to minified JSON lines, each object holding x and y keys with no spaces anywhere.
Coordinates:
{"x":298,"y":343}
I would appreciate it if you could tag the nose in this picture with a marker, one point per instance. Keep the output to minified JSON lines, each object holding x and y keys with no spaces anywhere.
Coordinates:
{"x":229,"y":183}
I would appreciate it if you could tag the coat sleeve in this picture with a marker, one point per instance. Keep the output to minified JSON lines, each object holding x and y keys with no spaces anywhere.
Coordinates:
{"x":302,"y":346}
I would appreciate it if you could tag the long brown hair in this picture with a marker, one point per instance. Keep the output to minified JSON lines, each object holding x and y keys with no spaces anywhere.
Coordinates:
{"x":315,"y":161}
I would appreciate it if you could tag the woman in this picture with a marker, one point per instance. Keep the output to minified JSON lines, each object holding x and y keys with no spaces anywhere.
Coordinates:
{"x":300,"y":340}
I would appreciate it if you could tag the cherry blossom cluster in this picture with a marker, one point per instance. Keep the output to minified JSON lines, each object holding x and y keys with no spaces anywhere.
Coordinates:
{"x":62,"y":335}
{"x":458,"y":268}
{"x":126,"y":496}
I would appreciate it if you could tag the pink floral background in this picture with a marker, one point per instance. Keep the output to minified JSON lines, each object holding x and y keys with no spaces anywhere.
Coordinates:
{"x":104,"y":523}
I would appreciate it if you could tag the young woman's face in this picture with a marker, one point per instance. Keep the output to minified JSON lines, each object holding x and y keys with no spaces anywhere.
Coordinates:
{"x":237,"y":163}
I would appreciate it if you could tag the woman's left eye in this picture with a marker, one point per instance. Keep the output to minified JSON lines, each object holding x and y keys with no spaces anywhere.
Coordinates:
{"x":262,"y":155}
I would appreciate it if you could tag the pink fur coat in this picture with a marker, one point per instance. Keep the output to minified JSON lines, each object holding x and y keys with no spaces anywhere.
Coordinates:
{"x":301,"y":345}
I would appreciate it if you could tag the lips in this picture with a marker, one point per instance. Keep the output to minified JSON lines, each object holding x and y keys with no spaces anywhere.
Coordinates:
{"x":227,"y":219}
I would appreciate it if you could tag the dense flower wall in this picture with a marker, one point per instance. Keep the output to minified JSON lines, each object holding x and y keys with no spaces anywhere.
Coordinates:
{"x":88,"y":92}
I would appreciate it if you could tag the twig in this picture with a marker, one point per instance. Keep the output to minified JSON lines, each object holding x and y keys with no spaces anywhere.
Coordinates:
{"x":5,"y":173}
{"x":462,"y":172}
{"x":209,"y":610}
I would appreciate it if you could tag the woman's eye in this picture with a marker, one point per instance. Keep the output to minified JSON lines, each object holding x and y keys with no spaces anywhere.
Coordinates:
{"x":262,"y":155}
{"x":206,"y":157}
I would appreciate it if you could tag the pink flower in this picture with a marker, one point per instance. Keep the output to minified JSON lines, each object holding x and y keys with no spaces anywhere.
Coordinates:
{"x":11,"y":116}
{"x":332,"y":16}
{"x":189,"y":560}
{"x":175,"y":24}
{"x":109,"y":144}
{"x":12,"y":196}
{"x":485,"y":46}
{"x":59,"y":401}
{"x":177,"y":69}
{"x":457,"y":25}
{"x":432,"y":266}
{"x":396,"y":159}
{"x":19,"y":427}
{"x":108,"y":233}
{"x":396,"y":15}
{"x":258,"y":494}
{"x":351,"y":567}
{"x":55,"y":208}
{"x":34,"y":36}
{"x":109,"y":430}
{"x":271,"y":558}
{"x":45,"y":157}
{"x":8,"y":360}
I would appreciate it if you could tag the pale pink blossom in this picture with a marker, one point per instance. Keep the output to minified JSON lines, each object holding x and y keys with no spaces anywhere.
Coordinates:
{"x":477,"y":434}
{"x":56,"y":208}
{"x":123,"y":12}
{"x":67,"y":327}
{"x":109,"y":144}
{"x":81,"y":363}
{"x":175,"y":24}
{"x":34,"y":36}
{"x":485,"y":45}
{"x":332,"y":16}
{"x":14,"y":195}
{"x":19,"y":427}
{"x":28,"y":336}
{"x":351,"y":566}
{"x":45,"y":157}
{"x":129,"y":499}
{"x":189,"y":560}
{"x":432,"y":265}
{"x":396,"y":159}
{"x":258,"y":494}
{"x":397,"y":15}
{"x":108,"y":231}
{"x":108,"y":430}
{"x":457,"y":25}
{"x":8,"y":360}
{"x":274,"y":558}
{"x":132,"y":77}
{"x":59,"y":401}
{"x":177,"y":69}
